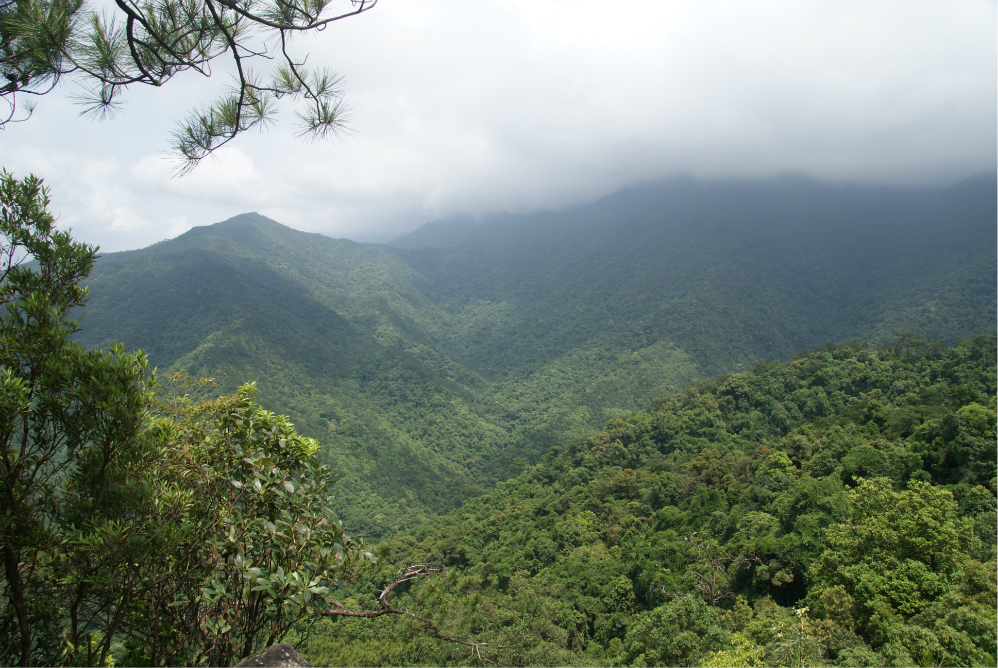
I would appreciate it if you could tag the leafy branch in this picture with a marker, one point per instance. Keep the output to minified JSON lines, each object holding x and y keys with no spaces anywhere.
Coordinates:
{"x":42,"y":41}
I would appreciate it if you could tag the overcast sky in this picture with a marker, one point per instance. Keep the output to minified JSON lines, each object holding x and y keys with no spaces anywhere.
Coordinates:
{"x":478,"y":106}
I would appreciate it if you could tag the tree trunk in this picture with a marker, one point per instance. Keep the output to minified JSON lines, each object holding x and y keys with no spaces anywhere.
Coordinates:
{"x":17,"y":600}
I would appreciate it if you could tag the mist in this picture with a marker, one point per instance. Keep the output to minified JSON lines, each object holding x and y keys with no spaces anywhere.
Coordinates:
{"x":477,"y":108}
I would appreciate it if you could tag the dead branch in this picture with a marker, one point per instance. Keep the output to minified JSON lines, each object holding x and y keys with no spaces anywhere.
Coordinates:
{"x":707,"y":583}
{"x":404,"y":575}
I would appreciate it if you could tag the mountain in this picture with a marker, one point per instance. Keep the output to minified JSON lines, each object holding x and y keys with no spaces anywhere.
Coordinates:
{"x":454,"y":358}
{"x":847,"y":261}
{"x":314,"y":321}
{"x":439,"y":234}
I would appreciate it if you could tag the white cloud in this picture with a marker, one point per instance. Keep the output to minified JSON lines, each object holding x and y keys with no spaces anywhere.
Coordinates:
{"x":476,"y":106}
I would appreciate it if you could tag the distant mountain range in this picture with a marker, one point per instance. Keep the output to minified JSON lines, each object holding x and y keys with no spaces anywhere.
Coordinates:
{"x":438,"y":364}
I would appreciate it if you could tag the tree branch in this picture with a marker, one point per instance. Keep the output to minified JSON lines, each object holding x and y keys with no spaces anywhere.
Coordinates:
{"x":407,"y":575}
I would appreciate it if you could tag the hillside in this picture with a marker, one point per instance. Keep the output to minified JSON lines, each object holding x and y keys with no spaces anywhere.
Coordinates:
{"x":776,"y":266}
{"x":312,"y":320}
{"x":856,"y":483}
{"x":430,"y":372}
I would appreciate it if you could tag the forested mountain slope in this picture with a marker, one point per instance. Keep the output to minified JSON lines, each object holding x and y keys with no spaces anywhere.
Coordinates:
{"x":856,"y":483}
{"x":313,"y":321}
{"x":430,"y":373}
{"x":730,"y":271}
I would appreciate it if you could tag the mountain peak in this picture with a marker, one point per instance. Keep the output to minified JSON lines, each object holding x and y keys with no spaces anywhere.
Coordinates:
{"x":247,"y":229}
{"x":252,"y":218}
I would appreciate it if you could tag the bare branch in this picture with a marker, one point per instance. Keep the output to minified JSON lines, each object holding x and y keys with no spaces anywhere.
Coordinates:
{"x":407,"y":575}
{"x":707,"y":582}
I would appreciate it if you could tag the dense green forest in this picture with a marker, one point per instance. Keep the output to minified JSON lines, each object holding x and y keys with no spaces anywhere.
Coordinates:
{"x":434,"y":368}
{"x":835,"y":509}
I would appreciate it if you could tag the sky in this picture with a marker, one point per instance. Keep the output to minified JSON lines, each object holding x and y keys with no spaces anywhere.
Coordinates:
{"x":486,"y":106}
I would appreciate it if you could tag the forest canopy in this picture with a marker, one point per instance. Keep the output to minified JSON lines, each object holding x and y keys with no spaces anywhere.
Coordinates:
{"x":837,"y":509}
{"x":430,"y":374}
{"x":834,"y":509}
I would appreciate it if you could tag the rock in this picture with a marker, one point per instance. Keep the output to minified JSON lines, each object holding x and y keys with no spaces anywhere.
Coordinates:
{"x":280,"y":655}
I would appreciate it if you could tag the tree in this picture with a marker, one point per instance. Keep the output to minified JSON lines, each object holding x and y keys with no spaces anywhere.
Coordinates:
{"x":709,"y":572}
{"x":678,"y":633}
{"x":66,"y":414}
{"x":252,"y":549}
{"x":42,"y":41}
{"x":898,"y":568}
{"x":896,"y":552}
{"x":157,"y":530}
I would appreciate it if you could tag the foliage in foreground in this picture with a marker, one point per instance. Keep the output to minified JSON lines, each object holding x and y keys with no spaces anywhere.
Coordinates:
{"x":140,"y":529}
{"x":840,"y":508}
{"x":42,"y":41}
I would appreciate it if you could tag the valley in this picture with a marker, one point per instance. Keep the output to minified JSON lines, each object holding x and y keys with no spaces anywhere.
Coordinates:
{"x":432,"y":368}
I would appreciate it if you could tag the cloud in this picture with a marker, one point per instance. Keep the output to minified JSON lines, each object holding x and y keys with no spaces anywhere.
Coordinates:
{"x":510,"y":105}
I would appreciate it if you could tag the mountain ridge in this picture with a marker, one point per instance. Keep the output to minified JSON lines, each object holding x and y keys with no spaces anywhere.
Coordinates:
{"x":469,"y":361}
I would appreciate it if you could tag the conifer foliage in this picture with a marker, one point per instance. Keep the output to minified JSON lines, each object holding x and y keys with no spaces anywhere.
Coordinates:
{"x":130,"y":42}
